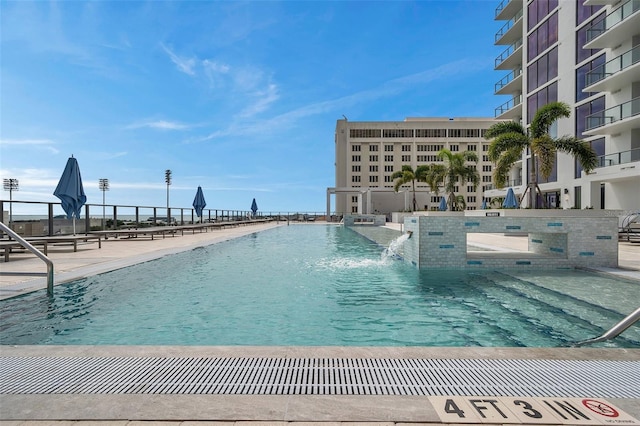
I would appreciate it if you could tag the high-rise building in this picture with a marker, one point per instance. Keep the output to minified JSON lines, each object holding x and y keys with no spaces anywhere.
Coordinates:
{"x":369,"y":152}
{"x":585,"y":53}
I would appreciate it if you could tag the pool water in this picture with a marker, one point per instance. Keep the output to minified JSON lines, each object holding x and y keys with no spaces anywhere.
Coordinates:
{"x":310,"y":285}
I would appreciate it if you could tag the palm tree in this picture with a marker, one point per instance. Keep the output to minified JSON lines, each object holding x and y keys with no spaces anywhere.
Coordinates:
{"x":408,"y":175}
{"x":510,"y":139}
{"x":453,"y":170}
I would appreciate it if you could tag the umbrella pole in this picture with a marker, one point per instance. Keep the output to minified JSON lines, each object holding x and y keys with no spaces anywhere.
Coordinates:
{"x":74,"y":225}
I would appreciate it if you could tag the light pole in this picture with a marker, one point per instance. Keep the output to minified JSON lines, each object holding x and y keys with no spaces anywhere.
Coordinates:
{"x":103,"y":184}
{"x":10,"y":185}
{"x":167,"y":179}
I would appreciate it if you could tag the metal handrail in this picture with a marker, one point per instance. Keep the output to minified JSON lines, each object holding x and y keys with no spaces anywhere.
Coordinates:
{"x":616,"y":330}
{"x":24,"y":243}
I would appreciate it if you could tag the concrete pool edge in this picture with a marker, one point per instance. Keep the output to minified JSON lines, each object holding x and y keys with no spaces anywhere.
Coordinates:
{"x":378,"y":408}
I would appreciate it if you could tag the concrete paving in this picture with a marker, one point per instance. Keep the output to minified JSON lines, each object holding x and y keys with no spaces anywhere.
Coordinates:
{"x":245,"y":410}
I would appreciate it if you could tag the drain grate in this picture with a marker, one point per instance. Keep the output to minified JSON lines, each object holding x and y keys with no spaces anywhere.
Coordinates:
{"x":319,"y":376}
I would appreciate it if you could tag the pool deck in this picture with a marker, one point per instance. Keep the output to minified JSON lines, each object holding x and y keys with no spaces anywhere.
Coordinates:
{"x":80,"y":409}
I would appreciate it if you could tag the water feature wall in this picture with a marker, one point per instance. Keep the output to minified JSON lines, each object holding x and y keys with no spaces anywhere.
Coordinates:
{"x":554,"y":241}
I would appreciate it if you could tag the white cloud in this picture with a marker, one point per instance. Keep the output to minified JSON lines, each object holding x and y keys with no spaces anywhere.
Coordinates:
{"x":215,"y":72}
{"x":185,"y":65}
{"x":42,"y":144}
{"x":160,"y":124}
{"x":264,"y":99}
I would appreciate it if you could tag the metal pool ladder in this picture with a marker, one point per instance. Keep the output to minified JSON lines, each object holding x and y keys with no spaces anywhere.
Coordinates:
{"x":616,"y":330}
{"x":24,"y":243}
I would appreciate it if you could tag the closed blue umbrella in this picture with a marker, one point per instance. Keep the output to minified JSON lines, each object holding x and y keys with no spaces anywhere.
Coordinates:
{"x":510,"y":201}
{"x":484,"y":204}
{"x":70,"y":191}
{"x":254,"y":207}
{"x":199,"y":203}
{"x":443,"y":204}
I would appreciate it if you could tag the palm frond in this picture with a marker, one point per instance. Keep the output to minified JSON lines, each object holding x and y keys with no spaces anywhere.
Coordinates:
{"x":504,"y":164}
{"x":504,"y":127}
{"x":506,"y":142}
{"x":544,"y":148}
{"x":546,"y":116}
{"x":580,"y":150}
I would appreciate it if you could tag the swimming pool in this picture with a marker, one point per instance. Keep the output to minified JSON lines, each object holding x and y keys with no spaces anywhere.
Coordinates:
{"x":310,"y":285}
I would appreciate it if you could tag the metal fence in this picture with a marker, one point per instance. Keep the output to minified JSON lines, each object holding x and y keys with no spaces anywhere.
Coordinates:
{"x":48,"y":218}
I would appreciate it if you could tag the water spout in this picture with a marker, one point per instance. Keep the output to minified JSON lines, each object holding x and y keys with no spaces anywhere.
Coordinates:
{"x":394,"y":246}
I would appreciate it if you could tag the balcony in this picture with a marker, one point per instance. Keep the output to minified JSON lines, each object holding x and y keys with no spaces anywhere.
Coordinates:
{"x":616,"y":27}
{"x":511,"y":31}
{"x":617,"y":73}
{"x":511,"y":57}
{"x":600,"y":2}
{"x":619,"y":119}
{"x":508,"y":184}
{"x":617,"y":158}
{"x":507,"y":9}
{"x":511,"y":109}
{"x":511,"y":83}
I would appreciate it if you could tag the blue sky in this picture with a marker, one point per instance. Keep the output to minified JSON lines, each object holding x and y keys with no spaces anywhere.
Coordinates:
{"x":240,"y":98}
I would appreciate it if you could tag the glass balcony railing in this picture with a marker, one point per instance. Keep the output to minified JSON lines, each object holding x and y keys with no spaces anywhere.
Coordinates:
{"x":501,"y":6}
{"x":508,"y":79}
{"x":620,"y":14}
{"x":611,"y":115}
{"x":513,"y":102}
{"x":508,"y":184}
{"x":613,"y":66}
{"x":506,"y":27}
{"x":616,"y":158}
{"x":508,"y":52}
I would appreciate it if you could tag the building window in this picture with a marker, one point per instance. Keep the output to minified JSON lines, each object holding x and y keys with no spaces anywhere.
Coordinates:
{"x":388,"y":168}
{"x":581,"y":39}
{"x":388,"y":148}
{"x":486,"y":168}
{"x":471,"y":198}
{"x":583,"y":13}
{"x":355,"y":178}
{"x":355,"y":169}
{"x":406,"y":158}
{"x":454,"y":148}
{"x":581,"y":76}
{"x":598,"y":146}
{"x":431,"y":133}
{"x":584,"y":110}
{"x":464,"y":133}
{"x":538,"y":10}
{"x":365,"y":133}
{"x":388,"y":158}
{"x":397,"y":133}
{"x":543,"y":70}
{"x":387,"y":178}
{"x":354,"y":198}
{"x":373,"y":148}
{"x":406,"y":148}
{"x":356,"y":148}
{"x":472,"y":148}
{"x":486,"y":178}
{"x":373,"y":178}
{"x":485,"y":158}
{"x":354,"y":209}
{"x":543,"y":37}
{"x":485,"y":148}
{"x":541,"y":98}
{"x":373,"y":168}
{"x":373,"y":158}
{"x":355,"y":158}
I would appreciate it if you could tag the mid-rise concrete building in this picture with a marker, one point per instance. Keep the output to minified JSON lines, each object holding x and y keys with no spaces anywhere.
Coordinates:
{"x":367,"y":154}
{"x":585,"y":53}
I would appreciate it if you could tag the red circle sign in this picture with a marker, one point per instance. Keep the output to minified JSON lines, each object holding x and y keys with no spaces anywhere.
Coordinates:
{"x":600,"y":407}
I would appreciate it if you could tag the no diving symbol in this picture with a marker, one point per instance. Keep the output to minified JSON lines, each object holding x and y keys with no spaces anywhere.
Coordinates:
{"x":601,"y":408}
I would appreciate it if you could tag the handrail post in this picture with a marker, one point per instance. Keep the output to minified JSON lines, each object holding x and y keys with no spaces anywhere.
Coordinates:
{"x":35,"y":251}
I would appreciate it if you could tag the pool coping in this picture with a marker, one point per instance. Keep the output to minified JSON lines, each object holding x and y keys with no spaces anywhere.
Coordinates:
{"x":298,"y":408}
